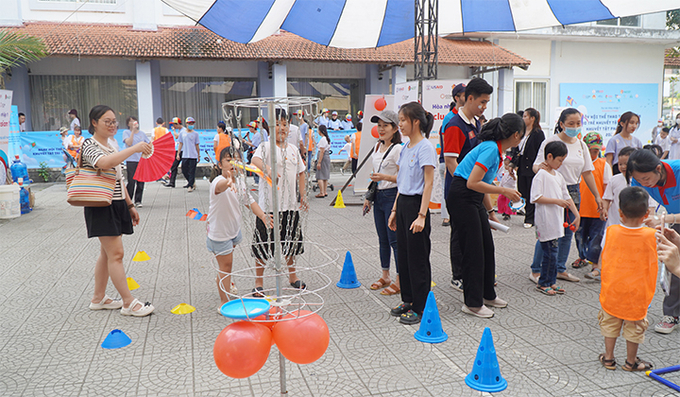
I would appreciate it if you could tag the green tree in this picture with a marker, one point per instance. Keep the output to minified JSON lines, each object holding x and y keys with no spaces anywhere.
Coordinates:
{"x":673,"y":19}
{"x":17,"y":49}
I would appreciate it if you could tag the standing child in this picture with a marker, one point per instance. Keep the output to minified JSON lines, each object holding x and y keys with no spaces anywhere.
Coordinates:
{"x":629,"y":268}
{"x":549,"y":193}
{"x":589,"y":234}
{"x":410,"y":216}
{"x":224,"y":218}
{"x":623,"y":137}
{"x":347,"y":149}
{"x":664,"y":142}
{"x":507,"y":180}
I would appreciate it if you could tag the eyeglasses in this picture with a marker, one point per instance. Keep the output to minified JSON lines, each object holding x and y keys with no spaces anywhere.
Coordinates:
{"x":110,"y":123}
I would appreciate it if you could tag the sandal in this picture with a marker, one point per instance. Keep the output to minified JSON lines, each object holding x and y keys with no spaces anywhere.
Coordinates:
{"x":579,"y":263}
{"x":391,"y":290}
{"x":609,"y":364}
{"x":319,"y":195}
{"x":298,"y":284}
{"x":114,"y":304}
{"x":381,"y":283}
{"x":546,"y":290}
{"x":145,"y":309}
{"x":646,"y":366}
{"x":558,"y":290}
{"x":594,"y":275}
{"x":257,"y":292}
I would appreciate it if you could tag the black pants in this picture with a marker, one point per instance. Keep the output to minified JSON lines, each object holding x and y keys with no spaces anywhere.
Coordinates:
{"x":355,"y":164}
{"x":524,"y":187}
{"x":135,"y":189}
{"x":413,"y":254}
{"x":173,"y":169}
{"x":476,"y":243}
{"x":189,"y":171}
{"x":454,"y":245}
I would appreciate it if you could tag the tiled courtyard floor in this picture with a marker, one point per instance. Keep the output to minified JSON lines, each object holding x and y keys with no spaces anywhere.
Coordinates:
{"x":50,"y":341}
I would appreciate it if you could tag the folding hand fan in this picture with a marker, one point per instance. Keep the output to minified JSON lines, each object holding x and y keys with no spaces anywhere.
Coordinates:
{"x":154,"y":166}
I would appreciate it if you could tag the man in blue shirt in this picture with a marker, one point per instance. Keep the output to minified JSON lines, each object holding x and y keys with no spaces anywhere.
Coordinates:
{"x":188,"y":148}
{"x":347,"y":122}
{"x":176,"y":129}
{"x":323,"y":119}
{"x":334,"y":123}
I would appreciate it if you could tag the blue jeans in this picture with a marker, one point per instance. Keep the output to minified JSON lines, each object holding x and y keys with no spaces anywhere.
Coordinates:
{"x":563,"y":244}
{"x":382,"y":208}
{"x":589,"y":237}
{"x":549,"y":263}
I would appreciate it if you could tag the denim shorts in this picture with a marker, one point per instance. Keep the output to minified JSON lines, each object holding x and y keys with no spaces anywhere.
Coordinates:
{"x":223,"y":247}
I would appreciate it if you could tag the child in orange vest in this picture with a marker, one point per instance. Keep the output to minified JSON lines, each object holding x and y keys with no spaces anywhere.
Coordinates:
{"x":589,"y":234}
{"x":629,"y":268}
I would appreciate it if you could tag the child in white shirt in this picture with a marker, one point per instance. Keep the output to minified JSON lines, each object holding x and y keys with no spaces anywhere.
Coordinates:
{"x":347,"y":149}
{"x":664,"y":141}
{"x":549,"y":193}
{"x":224,"y":219}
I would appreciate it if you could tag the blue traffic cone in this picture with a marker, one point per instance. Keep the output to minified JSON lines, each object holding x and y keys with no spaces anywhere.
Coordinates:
{"x":348,"y":278}
{"x":485,"y":375}
{"x":116,"y":339}
{"x":431,"y":330}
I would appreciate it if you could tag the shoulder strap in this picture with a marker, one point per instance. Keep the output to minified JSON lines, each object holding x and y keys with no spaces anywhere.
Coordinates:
{"x":389,"y":149}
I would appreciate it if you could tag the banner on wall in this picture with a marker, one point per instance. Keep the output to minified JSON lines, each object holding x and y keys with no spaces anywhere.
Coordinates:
{"x":5,"y":113}
{"x":404,"y":93}
{"x":603,"y":104}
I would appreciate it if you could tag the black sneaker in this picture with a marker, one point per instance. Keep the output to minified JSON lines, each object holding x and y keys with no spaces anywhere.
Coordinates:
{"x":409,"y":318}
{"x":457,"y":284}
{"x":401,"y":309}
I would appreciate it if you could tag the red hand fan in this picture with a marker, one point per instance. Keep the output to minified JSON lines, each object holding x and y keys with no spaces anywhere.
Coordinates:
{"x":154,"y":166}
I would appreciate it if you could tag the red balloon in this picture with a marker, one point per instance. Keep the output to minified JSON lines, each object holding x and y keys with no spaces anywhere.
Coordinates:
{"x":374,"y":132}
{"x":302,"y":340}
{"x":572,"y":228}
{"x":380,"y":104}
{"x":242,"y":348}
{"x":565,"y":224}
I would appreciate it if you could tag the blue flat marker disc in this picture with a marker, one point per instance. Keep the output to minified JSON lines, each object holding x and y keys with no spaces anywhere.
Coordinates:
{"x":253,"y":308}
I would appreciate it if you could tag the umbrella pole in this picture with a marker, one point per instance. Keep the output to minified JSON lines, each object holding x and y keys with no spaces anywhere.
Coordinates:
{"x":278,"y":264}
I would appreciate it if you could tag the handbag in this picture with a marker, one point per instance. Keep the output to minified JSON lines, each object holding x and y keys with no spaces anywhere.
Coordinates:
{"x":373,"y":186}
{"x":89,"y":187}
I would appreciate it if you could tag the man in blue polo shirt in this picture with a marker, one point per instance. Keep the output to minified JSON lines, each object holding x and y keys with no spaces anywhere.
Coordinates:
{"x":460,"y":136}
{"x":458,"y":95}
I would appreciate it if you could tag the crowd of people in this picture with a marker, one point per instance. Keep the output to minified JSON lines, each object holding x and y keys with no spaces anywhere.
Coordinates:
{"x":610,"y":202}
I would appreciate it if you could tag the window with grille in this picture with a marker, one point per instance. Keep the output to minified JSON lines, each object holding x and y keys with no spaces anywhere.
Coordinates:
{"x":532,"y":94}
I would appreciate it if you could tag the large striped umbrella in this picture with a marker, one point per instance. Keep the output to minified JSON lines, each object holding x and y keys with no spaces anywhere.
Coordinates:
{"x":375,"y":23}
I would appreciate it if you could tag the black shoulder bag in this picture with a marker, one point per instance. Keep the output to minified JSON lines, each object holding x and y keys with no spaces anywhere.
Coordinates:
{"x":373,"y":186}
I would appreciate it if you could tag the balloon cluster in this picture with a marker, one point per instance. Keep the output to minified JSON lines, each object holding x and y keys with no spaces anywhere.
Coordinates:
{"x":242,"y":348}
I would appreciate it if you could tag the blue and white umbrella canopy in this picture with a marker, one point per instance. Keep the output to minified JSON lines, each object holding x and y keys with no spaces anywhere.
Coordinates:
{"x":375,"y":23}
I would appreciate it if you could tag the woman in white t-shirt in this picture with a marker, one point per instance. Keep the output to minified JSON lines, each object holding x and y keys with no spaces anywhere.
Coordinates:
{"x":385,"y":169}
{"x":224,"y":219}
{"x":323,"y":162}
{"x":576,"y":165}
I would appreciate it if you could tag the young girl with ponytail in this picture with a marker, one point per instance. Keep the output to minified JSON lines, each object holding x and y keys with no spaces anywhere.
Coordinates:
{"x":471,"y":210}
{"x":623,"y":137}
{"x":410,"y":216}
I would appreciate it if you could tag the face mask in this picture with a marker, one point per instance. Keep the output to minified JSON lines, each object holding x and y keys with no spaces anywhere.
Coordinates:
{"x":677,"y":121}
{"x":190,"y":127}
{"x":572,"y":132}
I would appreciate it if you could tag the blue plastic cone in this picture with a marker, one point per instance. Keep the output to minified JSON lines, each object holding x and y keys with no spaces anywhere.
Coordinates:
{"x":116,"y":339}
{"x":348,"y":278}
{"x":431,"y":330}
{"x":486,"y":375}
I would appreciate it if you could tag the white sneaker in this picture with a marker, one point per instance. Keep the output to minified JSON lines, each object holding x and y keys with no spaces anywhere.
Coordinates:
{"x":666,"y":325}
{"x":528,"y":225}
{"x":114,"y":304}
{"x":233,"y":290}
{"x":255,"y":185}
{"x":533,"y":278}
{"x":146,"y":309}
{"x":483,"y":312}
{"x":498,"y":302}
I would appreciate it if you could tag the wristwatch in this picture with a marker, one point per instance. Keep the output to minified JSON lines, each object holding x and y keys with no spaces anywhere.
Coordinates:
{"x":491,"y":211}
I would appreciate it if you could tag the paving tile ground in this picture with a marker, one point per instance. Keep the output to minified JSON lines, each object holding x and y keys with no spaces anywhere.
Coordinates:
{"x":50,"y":341}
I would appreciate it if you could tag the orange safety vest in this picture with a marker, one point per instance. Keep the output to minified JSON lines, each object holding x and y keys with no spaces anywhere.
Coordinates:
{"x":310,"y":140}
{"x":224,"y":142}
{"x":629,"y":267}
{"x":159,"y":132}
{"x":588,"y":204}
{"x":357,"y":143}
{"x":73,"y":142}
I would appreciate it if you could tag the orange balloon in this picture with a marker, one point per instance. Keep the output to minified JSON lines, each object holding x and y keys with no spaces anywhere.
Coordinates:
{"x":274,"y":314}
{"x":242,"y":348}
{"x":374,"y":132}
{"x":380,"y":104}
{"x":303,"y":340}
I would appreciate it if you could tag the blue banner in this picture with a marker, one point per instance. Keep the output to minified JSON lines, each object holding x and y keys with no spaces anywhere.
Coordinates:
{"x":35,"y":147}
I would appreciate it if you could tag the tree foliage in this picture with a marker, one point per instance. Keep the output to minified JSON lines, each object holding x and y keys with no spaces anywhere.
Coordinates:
{"x":18,"y":49}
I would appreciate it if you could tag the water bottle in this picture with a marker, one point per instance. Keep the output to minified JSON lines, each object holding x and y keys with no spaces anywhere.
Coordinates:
{"x":19,"y":170}
{"x":24,"y":198}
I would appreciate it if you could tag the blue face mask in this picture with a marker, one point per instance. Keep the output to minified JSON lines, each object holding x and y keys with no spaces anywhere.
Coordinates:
{"x":572,"y":132}
{"x":190,"y":127}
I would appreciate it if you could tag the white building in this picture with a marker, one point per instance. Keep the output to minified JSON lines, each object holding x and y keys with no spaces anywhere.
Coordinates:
{"x":143,"y":58}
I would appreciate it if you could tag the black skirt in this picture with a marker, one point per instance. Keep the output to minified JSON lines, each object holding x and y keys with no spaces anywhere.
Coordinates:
{"x":113,"y":220}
